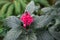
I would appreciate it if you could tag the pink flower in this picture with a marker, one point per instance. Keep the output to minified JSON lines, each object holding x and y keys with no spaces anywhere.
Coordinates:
{"x":27,"y":19}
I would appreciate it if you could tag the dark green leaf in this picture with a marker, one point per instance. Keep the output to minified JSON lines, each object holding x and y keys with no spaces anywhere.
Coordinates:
{"x":12,"y":22}
{"x":13,"y":34}
{"x":57,"y":4}
{"x":31,"y":36}
{"x":22,"y":37}
{"x":47,"y":36}
{"x":43,"y":2}
{"x":44,"y":35}
{"x":54,"y":31}
{"x":41,"y":21}
{"x":46,"y":9}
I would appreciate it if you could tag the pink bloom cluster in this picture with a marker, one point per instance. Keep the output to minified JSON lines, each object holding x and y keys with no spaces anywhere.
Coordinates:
{"x":27,"y":19}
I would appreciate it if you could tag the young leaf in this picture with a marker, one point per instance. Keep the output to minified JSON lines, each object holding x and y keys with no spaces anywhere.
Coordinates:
{"x":12,"y":22}
{"x":13,"y":34}
{"x":30,"y":7}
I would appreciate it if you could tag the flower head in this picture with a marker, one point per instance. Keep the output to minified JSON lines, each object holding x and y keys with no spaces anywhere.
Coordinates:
{"x":27,"y":19}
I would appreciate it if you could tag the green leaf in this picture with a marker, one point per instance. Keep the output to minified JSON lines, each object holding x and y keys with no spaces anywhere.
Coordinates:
{"x":13,"y":34}
{"x":55,"y":31}
{"x":4,"y":31}
{"x":10,"y":10}
{"x":3,"y":10}
{"x":44,"y":35}
{"x":57,"y":4}
{"x":41,"y":21}
{"x":1,"y":30}
{"x":12,"y":22}
{"x":23,"y":37}
{"x":17,"y":7}
{"x":46,"y":9}
{"x":43,"y":2}
{"x":31,"y":36}
{"x":30,"y":7}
